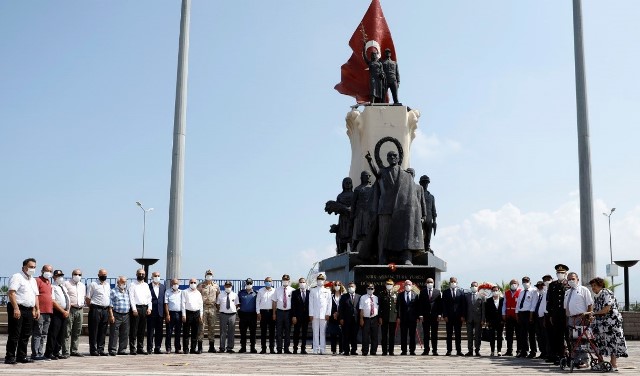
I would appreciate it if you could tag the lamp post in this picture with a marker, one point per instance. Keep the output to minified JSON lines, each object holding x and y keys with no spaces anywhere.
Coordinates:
{"x":610,"y":244}
{"x":144,"y":222}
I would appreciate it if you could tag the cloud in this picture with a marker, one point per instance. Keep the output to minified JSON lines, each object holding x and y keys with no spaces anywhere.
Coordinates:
{"x":431,"y":147}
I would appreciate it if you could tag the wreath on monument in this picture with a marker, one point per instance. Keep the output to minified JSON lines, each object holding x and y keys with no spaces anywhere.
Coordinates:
{"x":379,"y":145}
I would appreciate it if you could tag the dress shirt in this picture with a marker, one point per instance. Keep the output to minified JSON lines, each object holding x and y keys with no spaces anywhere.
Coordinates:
{"x":247,"y":300}
{"x":233,"y":300}
{"x":530,"y":297}
{"x":45,"y":302}
{"x":120,"y":301}
{"x":77,"y":293}
{"x":156,"y":289}
{"x":278,"y":297}
{"x":173,"y":299}
{"x":26,"y":289}
{"x":496,"y":302}
{"x":192,"y":301}
{"x":580,"y":300}
{"x":100,"y":293}
{"x":365,"y":305}
{"x":263,"y":300}
{"x":139,"y":294}
{"x":60,"y":296}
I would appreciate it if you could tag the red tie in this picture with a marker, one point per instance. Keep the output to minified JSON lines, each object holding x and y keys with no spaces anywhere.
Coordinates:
{"x":372,"y":307}
{"x":284,"y":299}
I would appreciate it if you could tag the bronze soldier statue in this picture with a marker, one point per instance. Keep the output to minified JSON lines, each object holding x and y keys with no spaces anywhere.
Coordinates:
{"x":429,"y":224}
{"x":392,"y":76}
{"x":361,"y":210}
{"x":342,"y":207}
{"x":377,"y":85}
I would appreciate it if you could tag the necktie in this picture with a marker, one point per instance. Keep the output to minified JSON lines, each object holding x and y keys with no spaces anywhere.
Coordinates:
{"x":284,"y":298}
{"x":523,"y":298}
{"x":569,"y":299}
{"x":66,"y":298}
{"x":303,"y":295}
{"x":453,"y":292}
{"x":538,"y":305}
{"x":372,"y":308}
{"x":406,"y":297}
{"x":429,"y":294}
{"x":353,"y":300}
{"x":228,"y":302}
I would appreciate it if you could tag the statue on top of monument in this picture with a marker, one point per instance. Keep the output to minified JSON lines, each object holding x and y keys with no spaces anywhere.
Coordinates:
{"x":420,"y":194}
{"x":429,"y":223}
{"x":342,"y":207}
{"x":392,"y":76}
{"x":377,"y":82}
{"x":361,"y":210}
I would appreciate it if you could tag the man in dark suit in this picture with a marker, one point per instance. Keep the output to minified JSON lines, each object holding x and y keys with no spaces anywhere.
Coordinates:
{"x":454,"y":310}
{"x":387,"y":315}
{"x":430,"y":302}
{"x":475,"y":318}
{"x":156,"y":318}
{"x":349,"y":317}
{"x":407,"y":305}
{"x":300,"y":316}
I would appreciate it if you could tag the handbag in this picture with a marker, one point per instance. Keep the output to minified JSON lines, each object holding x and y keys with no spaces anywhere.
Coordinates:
{"x":487,"y":334}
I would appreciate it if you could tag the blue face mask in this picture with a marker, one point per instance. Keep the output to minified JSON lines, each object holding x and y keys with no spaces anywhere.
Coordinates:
{"x":267,"y":284}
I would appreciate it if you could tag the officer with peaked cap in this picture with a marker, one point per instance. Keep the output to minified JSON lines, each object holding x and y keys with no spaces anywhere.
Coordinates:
{"x":557,"y":315}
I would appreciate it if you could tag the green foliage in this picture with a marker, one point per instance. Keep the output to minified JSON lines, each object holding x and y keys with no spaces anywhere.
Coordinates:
{"x":608,"y":285}
{"x":4,"y":289}
{"x":444,"y":285}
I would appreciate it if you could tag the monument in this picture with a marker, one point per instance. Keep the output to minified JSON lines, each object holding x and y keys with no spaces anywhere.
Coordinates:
{"x":389,"y":212}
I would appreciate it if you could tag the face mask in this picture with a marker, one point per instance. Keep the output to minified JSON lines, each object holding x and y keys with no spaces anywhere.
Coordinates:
{"x":303,"y":286}
{"x":31,"y":271}
{"x":140,"y":277}
{"x":267,"y":284}
{"x":336,"y":287}
{"x":122,"y":286}
{"x":227,"y":289}
{"x":370,"y":291}
{"x":352,"y":290}
{"x":248,"y":287}
{"x":208,"y":277}
{"x":560,"y":276}
{"x":573,"y":283}
{"x":526,"y":285}
{"x":156,"y":279}
{"x":102,"y":278}
{"x":408,"y":288}
{"x":60,"y":280}
{"x":389,"y":287}
{"x":453,"y":285}
{"x":77,"y":278}
{"x":193,"y":286}
{"x":320,"y":282}
{"x":546,"y":283}
{"x":474,"y":288}
{"x":514,"y":286}
{"x":175,"y":287}
{"x":429,"y":285}
{"x":47,"y":275}
{"x":496,"y":293}
{"x":285,"y":283}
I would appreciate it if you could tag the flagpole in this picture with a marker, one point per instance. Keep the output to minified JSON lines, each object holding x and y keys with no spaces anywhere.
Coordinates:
{"x":174,"y":243}
{"x":588,"y":254}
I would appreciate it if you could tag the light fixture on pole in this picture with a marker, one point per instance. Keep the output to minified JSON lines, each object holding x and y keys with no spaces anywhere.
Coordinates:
{"x":144,"y":222}
{"x":612,"y":269}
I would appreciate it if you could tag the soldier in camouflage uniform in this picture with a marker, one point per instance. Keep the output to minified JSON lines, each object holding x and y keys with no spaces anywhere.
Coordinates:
{"x":210,"y":291}
{"x":557,"y":314}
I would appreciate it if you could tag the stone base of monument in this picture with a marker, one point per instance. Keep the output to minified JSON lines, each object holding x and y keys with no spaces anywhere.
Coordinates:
{"x":347,"y":267}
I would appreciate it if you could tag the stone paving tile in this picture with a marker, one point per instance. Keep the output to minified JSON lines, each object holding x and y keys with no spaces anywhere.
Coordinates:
{"x":234,"y":364}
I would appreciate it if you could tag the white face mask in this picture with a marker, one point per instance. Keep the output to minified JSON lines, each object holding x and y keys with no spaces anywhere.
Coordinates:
{"x":474,"y":288}
{"x":248,"y":287}
{"x":60,"y":280}
{"x":336,"y":287}
{"x":526,"y":285}
{"x":453,"y":285}
{"x":514,"y":286}
{"x":193,"y":286}
{"x":47,"y":275}
{"x":320,"y":282}
{"x":573,"y":283}
{"x":429,"y":285}
{"x":303,"y":286}
{"x":208,"y":277}
{"x":122,"y":286}
{"x":227,"y":289}
{"x":370,"y":292}
{"x":408,"y":287}
{"x":285,"y":283}
{"x":31,"y":271}
{"x":156,"y":279}
{"x":352,"y":290}
{"x":389,"y":287}
{"x":175,"y":287}
{"x":77,"y":278}
{"x":496,"y":293}
{"x":560,"y":276}
{"x":546,"y":283}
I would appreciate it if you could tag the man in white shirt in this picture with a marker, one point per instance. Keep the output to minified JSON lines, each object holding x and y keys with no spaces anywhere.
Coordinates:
{"x":22,"y":309}
{"x":140,"y":296}
{"x":77,"y":292}
{"x":227,"y":305}
{"x":369,"y":321}
{"x":319,"y":312}
{"x":538,"y":316}
{"x":99,"y":298}
{"x":577,"y":301}
{"x":60,"y":300}
{"x":526,"y":303}
{"x":281,"y":305}
{"x":264,"y":310}
{"x":173,"y":316}
{"x":192,"y":311}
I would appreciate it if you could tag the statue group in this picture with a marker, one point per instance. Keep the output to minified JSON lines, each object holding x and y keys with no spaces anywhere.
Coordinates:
{"x":383,"y":76}
{"x":388,"y":221}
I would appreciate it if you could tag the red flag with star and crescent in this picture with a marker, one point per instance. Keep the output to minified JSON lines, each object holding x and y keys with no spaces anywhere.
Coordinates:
{"x":374,"y":31}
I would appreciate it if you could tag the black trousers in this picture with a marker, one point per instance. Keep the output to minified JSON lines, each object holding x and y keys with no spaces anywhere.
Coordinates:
{"x":137,"y":328}
{"x":19,"y":332}
{"x":55,"y":335}
{"x":335,"y":335}
{"x":557,"y":335}
{"x":350,"y":335}
{"x":430,"y":332}
{"x":98,"y":324}
{"x":302,"y":326}
{"x":267,"y":323}
{"x":496,"y":327}
{"x":408,"y":328}
{"x":154,"y":331}
{"x":454,"y":324}
{"x":248,"y":320}
{"x":527,"y":328}
{"x":541,"y":336}
{"x":511,"y":327}
{"x":190,"y":331}
{"x":388,"y":332}
{"x":174,"y":329}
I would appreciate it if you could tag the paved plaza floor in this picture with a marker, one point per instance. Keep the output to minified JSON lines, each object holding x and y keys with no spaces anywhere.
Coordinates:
{"x":227,"y":364}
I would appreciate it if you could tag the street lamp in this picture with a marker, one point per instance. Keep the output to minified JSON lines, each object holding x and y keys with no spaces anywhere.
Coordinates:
{"x":608,"y":215}
{"x":144,"y":223}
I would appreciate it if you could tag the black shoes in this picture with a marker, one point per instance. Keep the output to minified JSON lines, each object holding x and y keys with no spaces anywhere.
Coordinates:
{"x":77,"y":354}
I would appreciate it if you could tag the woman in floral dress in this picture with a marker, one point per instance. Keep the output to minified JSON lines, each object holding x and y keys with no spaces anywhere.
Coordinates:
{"x":608,"y":323}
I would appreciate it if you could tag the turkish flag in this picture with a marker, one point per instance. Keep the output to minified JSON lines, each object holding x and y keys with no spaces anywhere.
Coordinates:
{"x":373,"y":31}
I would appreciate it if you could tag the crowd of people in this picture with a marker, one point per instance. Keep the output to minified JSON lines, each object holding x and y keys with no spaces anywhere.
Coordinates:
{"x":48,"y":310}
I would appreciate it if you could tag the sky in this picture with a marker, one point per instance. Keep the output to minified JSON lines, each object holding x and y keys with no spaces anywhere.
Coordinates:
{"x":86,"y":121}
